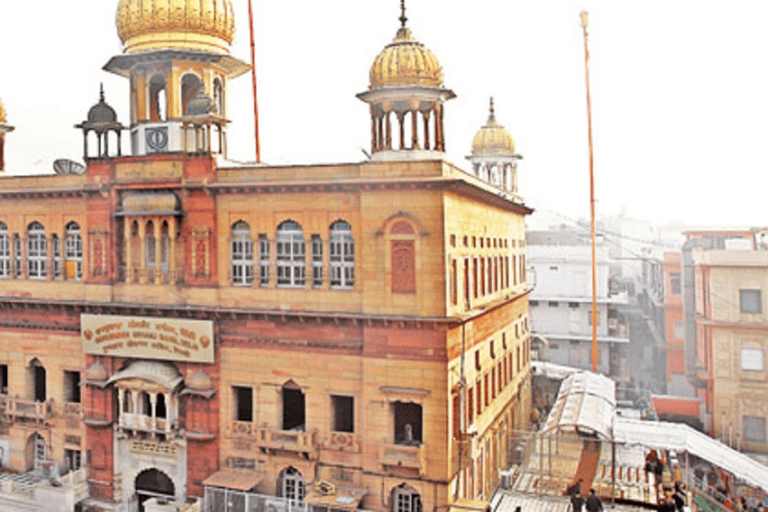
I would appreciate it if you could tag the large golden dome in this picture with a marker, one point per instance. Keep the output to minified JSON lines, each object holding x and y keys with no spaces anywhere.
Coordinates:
{"x":3,"y":114}
{"x":493,"y":139}
{"x":406,"y":62}
{"x":206,"y":25}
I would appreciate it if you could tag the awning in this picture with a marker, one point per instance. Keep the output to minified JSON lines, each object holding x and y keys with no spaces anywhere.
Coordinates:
{"x":232,"y":479}
{"x":468,"y":505}
{"x":682,"y":438}
{"x":585,"y":403}
{"x":342,"y":500}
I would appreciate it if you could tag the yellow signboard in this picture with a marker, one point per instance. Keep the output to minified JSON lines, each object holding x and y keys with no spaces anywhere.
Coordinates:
{"x":146,"y":447}
{"x":148,"y":338}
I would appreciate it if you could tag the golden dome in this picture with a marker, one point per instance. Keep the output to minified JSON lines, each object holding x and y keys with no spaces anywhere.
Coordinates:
{"x":493,"y":139}
{"x":207,"y":25}
{"x":406,"y":62}
{"x":3,"y":114}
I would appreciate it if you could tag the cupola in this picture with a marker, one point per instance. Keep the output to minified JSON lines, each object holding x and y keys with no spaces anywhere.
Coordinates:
{"x":406,"y":95}
{"x":493,"y":155}
{"x":101,"y":120}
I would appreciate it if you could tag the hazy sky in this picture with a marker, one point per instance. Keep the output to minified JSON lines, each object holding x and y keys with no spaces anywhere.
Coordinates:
{"x":679,"y":91}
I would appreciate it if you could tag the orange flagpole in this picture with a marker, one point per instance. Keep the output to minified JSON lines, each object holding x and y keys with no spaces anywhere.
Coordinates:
{"x":584,"y":21}
{"x":253,"y":76}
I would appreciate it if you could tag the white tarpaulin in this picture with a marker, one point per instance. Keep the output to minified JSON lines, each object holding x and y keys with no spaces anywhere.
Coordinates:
{"x":585,"y":403}
{"x":682,"y":438}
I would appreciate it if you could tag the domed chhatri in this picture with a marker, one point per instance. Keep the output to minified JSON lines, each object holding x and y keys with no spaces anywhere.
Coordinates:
{"x":406,"y":62}
{"x":199,"y":381}
{"x":493,"y":155}
{"x":493,"y":138}
{"x":406,"y":95}
{"x":206,"y":25}
{"x":97,"y":372}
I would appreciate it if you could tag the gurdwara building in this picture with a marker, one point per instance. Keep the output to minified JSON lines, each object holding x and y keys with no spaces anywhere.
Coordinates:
{"x":176,"y":326}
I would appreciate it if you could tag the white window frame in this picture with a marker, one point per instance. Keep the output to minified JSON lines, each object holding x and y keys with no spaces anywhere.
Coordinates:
{"x":317,"y":261}
{"x":293,"y":485}
{"x":17,"y":255}
{"x":37,"y":251}
{"x":5,"y":252}
{"x":341,"y":252}
{"x":241,"y":256}
{"x":263,"y":260}
{"x":290,"y":254}
{"x":752,"y":359}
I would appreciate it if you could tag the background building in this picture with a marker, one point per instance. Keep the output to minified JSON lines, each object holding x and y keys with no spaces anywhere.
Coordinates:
{"x":560,"y":267}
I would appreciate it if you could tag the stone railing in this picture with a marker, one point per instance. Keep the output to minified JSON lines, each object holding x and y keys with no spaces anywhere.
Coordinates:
{"x":144,"y":423}
{"x":29,"y":410}
{"x":397,"y":455}
{"x":343,"y":442}
{"x":274,"y":439}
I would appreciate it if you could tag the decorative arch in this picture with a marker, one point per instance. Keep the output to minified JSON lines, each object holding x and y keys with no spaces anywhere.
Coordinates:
{"x":290,"y":484}
{"x":191,"y":84}
{"x":241,"y":254}
{"x":36,"y":380}
{"x":5,"y":251}
{"x":73,"y":251}
{"x":37,"y":251}
{"x":36,"y":451}
{"x":158,"y":98}
{"x":405,"y":499}
{"x":401,"y":232}
{"x":153,"y":483}
{"x":290,"y":251}
{"x":294,"y":406}
{"x":341,"y":253}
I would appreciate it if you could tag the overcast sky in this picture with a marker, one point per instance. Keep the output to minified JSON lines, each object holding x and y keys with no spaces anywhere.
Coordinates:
{"x":679,"y":91}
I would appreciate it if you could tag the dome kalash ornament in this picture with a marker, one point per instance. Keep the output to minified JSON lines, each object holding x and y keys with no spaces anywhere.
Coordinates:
{"x":206,"y":25}
{"x":406,"y":88}
{"x":4,"y":128}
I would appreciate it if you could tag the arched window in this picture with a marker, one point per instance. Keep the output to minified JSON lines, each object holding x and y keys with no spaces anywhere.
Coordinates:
{"x":292,"y":484}
{"x":37,"y":251}
{"x":73,"y":252}
{"x":341,"y":250}
{"x":158,"y":101}
{"x":242,"y":254}
{"x":218,"y":97}
{"x":5,"y":252}
{"x":289,"y":255}
{"x":165,"y":245}
{"x":190,"y":86}
{"x":149,"y":247}
{"x":405,"y":499}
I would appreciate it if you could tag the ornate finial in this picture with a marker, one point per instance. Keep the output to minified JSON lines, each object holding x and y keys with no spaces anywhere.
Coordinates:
{"x":101,"y":93}
{"x":403,"y":18}
{"x":492,"y":105}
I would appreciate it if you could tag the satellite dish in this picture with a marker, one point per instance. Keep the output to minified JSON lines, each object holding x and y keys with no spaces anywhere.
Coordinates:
{"x":65,"y":166}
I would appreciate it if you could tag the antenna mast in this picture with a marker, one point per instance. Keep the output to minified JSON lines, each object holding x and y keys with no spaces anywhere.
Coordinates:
{"x":253,"y":77}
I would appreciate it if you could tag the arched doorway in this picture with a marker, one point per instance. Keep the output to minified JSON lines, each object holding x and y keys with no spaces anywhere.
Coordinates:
{"x":36,"y":452}
{"x":152,"y":483}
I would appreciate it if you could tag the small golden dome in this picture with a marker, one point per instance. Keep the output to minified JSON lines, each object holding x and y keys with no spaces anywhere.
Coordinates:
{"x":493,"y":139}
{"x":206,"y":25}
{"x":406,"y":62}
{"x":3,"y":113}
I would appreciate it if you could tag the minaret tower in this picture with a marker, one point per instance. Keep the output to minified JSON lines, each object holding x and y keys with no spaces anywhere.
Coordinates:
{"x":406,"y":96}
{"x":4,"y":128}
{"x":493,"y":155}
{"x":176,"y":55}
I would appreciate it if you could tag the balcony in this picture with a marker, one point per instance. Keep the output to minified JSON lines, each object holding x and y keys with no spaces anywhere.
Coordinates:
{"x":403,"y":456}
{"x":16,"y":409}
{"x":144,"y":423}
{"x":268,"y":439}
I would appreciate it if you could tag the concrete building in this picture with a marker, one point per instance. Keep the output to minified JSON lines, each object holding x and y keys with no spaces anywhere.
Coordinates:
{"x":730,"y":334}
{"x":178,"y":326}
{"x":560,"y":267}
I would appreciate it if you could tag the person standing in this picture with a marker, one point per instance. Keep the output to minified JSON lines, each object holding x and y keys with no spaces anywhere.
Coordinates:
{"x":577,"y":503}
{"x":594,"y":503}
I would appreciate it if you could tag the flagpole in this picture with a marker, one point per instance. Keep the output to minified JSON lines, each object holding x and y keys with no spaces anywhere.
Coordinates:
{"x":253,"y":77}
{"x":584,"y":21}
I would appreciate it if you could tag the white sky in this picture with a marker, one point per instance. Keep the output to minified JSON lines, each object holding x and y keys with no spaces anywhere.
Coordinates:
{"x":679,"y":91}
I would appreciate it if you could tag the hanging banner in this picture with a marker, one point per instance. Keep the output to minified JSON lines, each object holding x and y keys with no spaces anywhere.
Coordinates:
{"x":148,"y":338}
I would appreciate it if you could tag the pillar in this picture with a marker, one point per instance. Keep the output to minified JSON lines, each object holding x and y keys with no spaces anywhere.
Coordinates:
{"x":425,"y":114}
{"x":158,"y":277}
{"x":142,"y":251}
{"x":172,"y":250}
{"x":153,"y":409}
{"x":127,"y":224}
{"x":388,"y":123}
{"x":401,"y":125}
{"x":414,"y":129}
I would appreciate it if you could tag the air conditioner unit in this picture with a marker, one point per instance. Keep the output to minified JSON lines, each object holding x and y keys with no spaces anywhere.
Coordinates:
{"x":275,"y":505}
